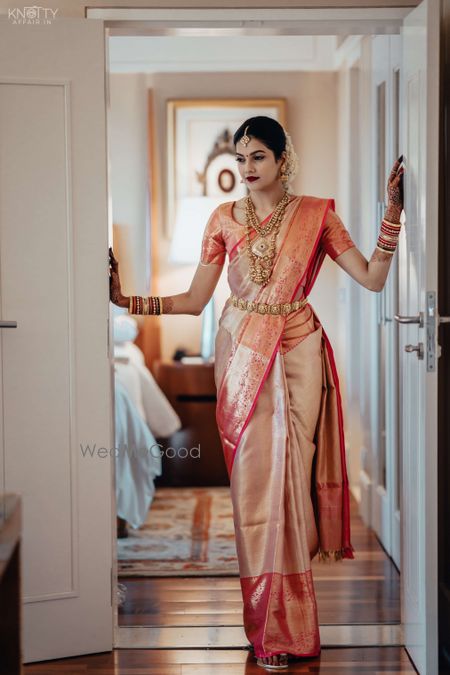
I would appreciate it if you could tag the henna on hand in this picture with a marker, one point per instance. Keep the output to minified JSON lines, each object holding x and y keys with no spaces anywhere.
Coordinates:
{"x":395,"y":190}
{"x":115,"y":291}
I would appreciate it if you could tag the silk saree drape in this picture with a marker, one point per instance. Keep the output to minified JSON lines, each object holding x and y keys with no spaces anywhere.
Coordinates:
{"x":279,"y":416}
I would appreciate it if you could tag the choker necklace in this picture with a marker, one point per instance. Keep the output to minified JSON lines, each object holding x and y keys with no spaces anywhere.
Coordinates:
{"x":261,"y":251}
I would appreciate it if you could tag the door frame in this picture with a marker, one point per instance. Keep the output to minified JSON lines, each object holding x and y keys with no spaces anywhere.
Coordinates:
{"x":321,"y":20}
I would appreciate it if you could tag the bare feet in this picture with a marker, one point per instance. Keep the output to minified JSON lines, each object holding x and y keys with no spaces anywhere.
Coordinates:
{"x":273,"y":662}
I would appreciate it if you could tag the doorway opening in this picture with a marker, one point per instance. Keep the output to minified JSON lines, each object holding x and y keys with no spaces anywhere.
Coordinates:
{"x":372,"y":428}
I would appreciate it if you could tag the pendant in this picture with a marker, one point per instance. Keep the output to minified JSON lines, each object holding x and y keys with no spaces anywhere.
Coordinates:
{"x":260,"y":247}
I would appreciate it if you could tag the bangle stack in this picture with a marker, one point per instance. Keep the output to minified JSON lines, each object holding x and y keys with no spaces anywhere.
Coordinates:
{"x":150,"y":305}
{"x":388,"y":237}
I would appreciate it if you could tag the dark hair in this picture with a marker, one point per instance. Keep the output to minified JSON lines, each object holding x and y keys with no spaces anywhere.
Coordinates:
{"x":265,"y":129}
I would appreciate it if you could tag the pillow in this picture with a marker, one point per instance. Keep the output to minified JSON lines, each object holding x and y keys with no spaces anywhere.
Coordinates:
{"x":124,"y":328}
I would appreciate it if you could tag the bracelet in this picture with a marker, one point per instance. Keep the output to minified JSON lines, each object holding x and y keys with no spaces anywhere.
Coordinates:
{"x":150,"y":305}
{"x":388,"y":236}
{"x":388,"y":222}
{"x":385,"y":250}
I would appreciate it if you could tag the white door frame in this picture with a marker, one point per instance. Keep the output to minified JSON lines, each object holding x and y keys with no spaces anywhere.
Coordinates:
{"x":318,"y":21}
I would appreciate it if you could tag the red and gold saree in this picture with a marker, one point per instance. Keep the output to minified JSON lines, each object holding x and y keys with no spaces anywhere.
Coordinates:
{"x":279,"y":415}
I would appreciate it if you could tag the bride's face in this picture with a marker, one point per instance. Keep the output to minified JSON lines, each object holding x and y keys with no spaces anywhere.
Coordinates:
{"x":257,"y":165}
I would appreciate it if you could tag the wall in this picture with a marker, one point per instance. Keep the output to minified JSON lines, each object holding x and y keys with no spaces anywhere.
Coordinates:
{"x":311,"y":120}
{"x":128,"y":161}
{"x":76,"y":8}
{"x":358,"y":333}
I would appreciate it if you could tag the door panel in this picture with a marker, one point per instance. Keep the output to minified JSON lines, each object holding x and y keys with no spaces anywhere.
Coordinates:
{"x":56,"y":377}
{"x":417,"y":276}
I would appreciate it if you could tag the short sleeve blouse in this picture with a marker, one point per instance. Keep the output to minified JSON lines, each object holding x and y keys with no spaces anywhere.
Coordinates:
{"x":335,"y":238}
{"x":213,"y":245}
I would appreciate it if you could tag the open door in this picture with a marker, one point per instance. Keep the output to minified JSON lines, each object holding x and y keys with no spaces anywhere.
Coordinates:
{"x":56,"y":372}
{"x":418,"y":268}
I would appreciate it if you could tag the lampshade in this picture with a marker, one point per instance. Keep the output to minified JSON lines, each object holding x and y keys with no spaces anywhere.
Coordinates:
{"x":192,"y":215}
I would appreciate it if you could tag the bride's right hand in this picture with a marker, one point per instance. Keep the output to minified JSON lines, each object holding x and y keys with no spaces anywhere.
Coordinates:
{"x":115,"y":291}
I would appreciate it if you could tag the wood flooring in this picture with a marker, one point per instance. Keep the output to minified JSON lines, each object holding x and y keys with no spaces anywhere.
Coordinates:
{"x":345,"y":661}
{"x":364,"y":590}
{"x":361,"y":591}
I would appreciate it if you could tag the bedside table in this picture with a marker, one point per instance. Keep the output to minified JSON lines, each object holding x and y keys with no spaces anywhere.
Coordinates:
{"x":191,"y":390}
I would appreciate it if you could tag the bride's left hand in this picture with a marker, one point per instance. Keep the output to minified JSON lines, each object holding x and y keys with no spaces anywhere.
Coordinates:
{"x":395,"y":191}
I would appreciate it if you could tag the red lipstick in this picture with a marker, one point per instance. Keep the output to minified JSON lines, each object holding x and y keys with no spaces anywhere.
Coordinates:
{"x":251,"y":179}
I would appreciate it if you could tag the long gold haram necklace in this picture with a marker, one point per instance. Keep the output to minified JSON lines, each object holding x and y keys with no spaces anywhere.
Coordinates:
{"x":262,"y":251}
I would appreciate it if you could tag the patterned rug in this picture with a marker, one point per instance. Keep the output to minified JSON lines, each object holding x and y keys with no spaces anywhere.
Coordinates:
{"x":188,"y":532}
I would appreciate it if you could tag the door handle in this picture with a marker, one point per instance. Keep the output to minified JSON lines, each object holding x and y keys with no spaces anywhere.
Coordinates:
{"x":416,"y":348}
{"x":410,"y":319}
{"x":8,"y":324}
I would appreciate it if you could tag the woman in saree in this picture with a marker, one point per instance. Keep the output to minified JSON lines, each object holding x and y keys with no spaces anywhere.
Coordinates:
{"x":279,"y":410}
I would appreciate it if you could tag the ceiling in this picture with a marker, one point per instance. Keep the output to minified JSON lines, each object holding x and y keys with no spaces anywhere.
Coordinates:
{"x":165,"y":54}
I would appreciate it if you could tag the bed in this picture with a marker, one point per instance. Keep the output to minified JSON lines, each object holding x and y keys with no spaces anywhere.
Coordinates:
{"x":142,"y":414}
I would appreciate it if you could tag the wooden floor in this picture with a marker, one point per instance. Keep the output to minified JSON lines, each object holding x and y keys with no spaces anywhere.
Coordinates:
{"x":224,"y":662}
{"x":364,"y":590}
{"x":361,"y":591}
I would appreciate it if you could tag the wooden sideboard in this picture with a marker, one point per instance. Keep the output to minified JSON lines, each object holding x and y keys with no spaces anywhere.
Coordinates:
{"x":191,"y":390}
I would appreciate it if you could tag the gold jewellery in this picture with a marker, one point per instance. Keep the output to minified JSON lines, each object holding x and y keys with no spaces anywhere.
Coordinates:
{"x":282,"y":308}
{"x":388,"y":237}
{"x":149,"y":305}
{"x":245,"y":140}
{"x":261,"y":251}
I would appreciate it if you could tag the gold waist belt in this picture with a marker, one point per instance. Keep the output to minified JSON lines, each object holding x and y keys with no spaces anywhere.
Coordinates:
{"x":282,"y":308}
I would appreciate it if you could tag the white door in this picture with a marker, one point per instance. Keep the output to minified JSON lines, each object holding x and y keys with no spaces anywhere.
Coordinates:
{"x":381,"y":93}
{"x":418,"y":278}
{"x":386,"y":67}
{"x":56,"y":374}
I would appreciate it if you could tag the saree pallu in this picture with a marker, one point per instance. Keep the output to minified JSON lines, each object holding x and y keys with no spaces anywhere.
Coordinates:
{"x":279,"y":416}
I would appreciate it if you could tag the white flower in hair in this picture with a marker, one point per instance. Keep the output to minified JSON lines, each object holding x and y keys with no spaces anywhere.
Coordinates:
{"x":291,"y":161}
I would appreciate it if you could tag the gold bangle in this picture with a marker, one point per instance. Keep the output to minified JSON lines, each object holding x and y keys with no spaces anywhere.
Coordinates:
{"x":129,"y":304}
{"x":384,"y":250}
{"x":389,"y":237}
{"x":388,"y":222}
{"x":161,"y":305}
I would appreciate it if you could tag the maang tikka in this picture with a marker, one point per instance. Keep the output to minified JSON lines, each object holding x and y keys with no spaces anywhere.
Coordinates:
{"x":245,"y":140}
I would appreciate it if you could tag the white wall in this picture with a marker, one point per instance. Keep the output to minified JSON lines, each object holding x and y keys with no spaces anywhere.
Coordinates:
{"x":128,"y":160}
{"x":358,"y":333}
{"x":76,"y":8}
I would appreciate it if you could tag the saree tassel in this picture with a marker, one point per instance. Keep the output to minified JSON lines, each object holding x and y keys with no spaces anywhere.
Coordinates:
{"x":339,"y":554}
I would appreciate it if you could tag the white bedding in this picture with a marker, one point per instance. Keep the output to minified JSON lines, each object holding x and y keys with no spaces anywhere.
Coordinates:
{"x":137,"y":460}
{"x":144,"y":391}
{"x":142,"y":413}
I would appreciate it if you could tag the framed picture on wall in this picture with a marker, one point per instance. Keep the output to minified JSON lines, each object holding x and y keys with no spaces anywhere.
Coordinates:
{"x":201,"y":155}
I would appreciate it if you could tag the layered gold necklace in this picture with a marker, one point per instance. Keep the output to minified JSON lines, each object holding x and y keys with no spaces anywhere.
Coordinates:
{"x":261,"y":251}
